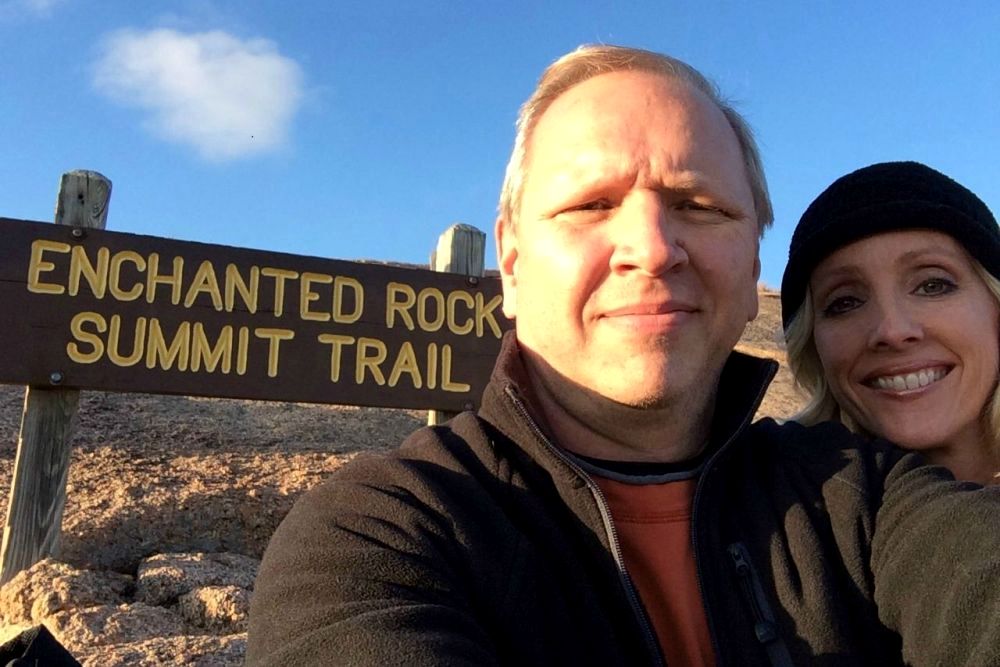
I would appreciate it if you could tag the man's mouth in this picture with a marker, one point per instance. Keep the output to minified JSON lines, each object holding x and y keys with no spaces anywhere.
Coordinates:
{"x":656,"y":308}
{"x":909,"y":381}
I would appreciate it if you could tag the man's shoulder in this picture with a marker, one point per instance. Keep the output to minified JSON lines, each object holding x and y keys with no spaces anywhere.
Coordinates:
{"x":429,"y":459}
{"x":463,"y":441}
{"x":436,"y":472}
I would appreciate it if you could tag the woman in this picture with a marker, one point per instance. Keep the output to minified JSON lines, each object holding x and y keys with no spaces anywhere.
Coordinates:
{"x":891,"y":309}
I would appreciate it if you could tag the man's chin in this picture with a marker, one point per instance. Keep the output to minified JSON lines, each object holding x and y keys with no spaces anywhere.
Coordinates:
{"x":642,"y":397}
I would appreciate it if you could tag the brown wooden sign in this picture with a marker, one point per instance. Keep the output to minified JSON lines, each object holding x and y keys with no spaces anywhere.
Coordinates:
{"x":92,"y":309}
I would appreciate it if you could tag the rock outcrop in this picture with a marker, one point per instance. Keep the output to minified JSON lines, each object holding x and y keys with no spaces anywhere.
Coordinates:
{"x":179,"y":609}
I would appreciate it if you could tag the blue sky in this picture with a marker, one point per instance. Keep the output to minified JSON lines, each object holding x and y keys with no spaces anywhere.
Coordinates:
{"x":362,"y":130}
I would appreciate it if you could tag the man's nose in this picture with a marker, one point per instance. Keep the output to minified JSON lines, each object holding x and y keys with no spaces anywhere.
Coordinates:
{"x":895,"y":326}
{"x":644,"y":237}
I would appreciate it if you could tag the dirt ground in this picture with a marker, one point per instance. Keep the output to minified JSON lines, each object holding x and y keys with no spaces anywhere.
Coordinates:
{"x":163,"y":473}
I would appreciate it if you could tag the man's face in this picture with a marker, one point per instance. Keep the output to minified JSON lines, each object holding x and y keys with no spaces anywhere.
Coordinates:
{"x":632,"y":269}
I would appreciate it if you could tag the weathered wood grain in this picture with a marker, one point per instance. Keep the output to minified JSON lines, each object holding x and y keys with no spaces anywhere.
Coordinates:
{"x":38,"y":492}
{"x":41,"y":466}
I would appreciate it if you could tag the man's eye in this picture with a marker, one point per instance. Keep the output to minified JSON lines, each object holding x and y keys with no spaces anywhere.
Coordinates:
{"x":935,"y":287}
{"x":699,"y":207}
{"x":841,"y":305}
{"x":596,"y":205}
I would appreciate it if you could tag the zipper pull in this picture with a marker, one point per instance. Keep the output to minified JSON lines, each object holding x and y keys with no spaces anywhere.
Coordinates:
{"x":764,"y":627}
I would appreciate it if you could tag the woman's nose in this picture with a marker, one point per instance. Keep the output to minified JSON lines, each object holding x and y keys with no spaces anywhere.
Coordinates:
{"x":896,"y":326}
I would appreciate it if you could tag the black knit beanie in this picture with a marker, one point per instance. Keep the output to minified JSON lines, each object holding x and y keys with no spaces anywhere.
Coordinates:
{"x":880,"y":198}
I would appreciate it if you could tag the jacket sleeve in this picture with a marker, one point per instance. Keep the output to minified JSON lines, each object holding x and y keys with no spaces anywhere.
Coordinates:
{"x":936,"y":566}
{"x":364,"y":573}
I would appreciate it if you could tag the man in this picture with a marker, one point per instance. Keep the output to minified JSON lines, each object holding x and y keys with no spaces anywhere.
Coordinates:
{"x":610,"y":502}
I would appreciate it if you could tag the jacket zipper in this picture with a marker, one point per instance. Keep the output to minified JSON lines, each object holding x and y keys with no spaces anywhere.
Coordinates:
{"x":764,"y":626}
{"x":609,"y":529}
{"x":699,"y":491}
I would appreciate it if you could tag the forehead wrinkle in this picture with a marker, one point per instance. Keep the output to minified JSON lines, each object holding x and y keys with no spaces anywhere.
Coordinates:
{"x":582,"y":170}
{"x":666,"y":168}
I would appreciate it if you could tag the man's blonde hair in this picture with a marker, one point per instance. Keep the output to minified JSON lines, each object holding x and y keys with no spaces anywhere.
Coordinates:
{"x":589,"y":61}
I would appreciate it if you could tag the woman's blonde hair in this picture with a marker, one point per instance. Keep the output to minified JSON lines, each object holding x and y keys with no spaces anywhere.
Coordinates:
{"x":807,"y":368}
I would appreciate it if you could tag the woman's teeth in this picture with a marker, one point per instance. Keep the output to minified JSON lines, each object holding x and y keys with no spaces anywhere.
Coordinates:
{"x":910,"y":380}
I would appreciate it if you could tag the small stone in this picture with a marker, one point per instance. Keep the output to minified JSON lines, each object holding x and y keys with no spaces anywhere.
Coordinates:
{"x":220,"y":609}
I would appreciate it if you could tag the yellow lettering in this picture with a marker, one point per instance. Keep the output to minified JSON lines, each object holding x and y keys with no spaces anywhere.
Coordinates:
{"x":203,"y":352}
{"x":371,"y":362}
{"x":453,"y":326}
{"x":204,"y":281}
{"x":446,"y":383}
{"x":235,"y":282}
{"x":337,"y":343}
{"x":430,"y":294}
{"x":241,"y":351}
{"x":95,"y":342}
{"x":37,"y":266}
{"x":392,"y":306}
{"x":114,"y":275}
{"x":114,"y":335}
{"x":96,"y":277}
{"x":274,"y":337}
{"x":406,"y":362}
{"x":154,"y":278}
{"x":307,"y":296}
{"x":159,"y":353}
{"x":432,"y":366}
{"x":280,"y":276}
{"x":484,"y":313}
{"x":339,"y":316}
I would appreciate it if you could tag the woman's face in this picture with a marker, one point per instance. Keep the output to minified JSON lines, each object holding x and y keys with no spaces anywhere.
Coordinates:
{"x":908,"y":336}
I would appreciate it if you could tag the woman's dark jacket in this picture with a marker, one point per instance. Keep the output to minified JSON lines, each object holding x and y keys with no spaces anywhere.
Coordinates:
{"x":480,"y":543}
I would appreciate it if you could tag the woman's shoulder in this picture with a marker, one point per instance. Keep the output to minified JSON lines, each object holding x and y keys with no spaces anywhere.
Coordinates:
{"x":827,"y":436}
{"x":828,"y":450}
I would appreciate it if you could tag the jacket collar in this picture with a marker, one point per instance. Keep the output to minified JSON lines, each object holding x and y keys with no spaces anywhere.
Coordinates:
{"x":742,"y":386}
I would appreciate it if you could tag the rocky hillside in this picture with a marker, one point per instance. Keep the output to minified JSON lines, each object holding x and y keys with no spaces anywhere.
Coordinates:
{"x":171,"y":501}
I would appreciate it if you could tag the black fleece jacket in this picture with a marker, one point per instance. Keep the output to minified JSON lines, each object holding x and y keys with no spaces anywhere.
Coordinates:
{"x":480,"y":543}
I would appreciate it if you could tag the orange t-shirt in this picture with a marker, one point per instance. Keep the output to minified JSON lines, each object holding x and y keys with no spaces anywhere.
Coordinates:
{"x":653,"y":522}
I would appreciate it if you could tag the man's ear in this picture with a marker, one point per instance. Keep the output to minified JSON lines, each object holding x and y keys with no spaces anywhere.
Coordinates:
{"x":506,"y":240}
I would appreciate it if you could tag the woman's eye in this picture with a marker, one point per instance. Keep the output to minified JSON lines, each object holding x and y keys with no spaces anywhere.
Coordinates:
{"x":935,"y":287}
{"x":841,"y":305}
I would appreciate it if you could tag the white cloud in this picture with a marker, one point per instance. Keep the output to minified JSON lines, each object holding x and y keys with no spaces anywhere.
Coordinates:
{"x":227,"y":98}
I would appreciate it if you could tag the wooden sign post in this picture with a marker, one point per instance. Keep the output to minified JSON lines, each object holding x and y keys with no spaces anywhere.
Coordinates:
{"x":38,"y":490}
{"x":460,"y":249}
